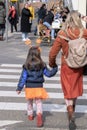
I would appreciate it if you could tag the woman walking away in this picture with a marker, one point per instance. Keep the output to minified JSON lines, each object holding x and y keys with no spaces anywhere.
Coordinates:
{"x":32,"y":77}
{"x":71,"y":79}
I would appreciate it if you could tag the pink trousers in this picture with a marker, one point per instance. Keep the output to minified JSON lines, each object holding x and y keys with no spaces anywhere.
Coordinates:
{"x":38,"y":103}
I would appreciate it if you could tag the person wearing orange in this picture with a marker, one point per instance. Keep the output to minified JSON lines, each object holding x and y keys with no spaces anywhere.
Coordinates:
{"x":32,"y":77}
{"x":71,"y":79}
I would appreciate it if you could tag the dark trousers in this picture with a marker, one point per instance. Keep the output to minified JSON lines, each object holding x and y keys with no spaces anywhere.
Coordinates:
{"x":13,"y":26}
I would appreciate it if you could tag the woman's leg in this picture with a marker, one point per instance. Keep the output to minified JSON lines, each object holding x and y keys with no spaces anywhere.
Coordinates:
{"x":23,"y":36}
{"x":11,"y":28}
{"x":71,"y":102}
{"x":39,"y":112}
{"x":26,"y":35}
{"x":15,"y":26}
{"x":70,"y":109}
{"x":53,"y":33}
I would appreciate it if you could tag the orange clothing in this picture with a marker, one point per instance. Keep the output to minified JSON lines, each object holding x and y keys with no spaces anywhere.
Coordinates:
{"x":32,"y":93}
{"x":71,"y":79}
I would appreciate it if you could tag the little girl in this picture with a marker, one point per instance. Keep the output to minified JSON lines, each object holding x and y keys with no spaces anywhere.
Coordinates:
{"x":32,"y":77}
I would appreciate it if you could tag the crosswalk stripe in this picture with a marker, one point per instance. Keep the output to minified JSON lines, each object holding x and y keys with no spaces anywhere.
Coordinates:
{"x":18,"y":76}
{"x":46,"y":85}
{"x":46,"y":107}
{"x":11,"y":65}
{"x":11,"y":70}
{"x":15,"y":70}
{"x":7,"y":122}
{"x":51,"y":95}
{"x":16,"y":65}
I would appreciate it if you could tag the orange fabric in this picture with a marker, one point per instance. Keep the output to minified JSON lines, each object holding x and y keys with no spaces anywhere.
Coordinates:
{"x":32,"y":93}
{"x":72,"y":81}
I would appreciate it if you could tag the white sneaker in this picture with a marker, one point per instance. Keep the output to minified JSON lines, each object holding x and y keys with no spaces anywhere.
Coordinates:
{"x":27,"y":39}
{"x":24,"y":40}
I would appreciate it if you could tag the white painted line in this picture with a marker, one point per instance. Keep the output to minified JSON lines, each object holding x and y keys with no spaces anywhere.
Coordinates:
{"x":55,"y":78}
{"x":8,"y":122}
{"x":11,"y":65}
{"x":15,"y":65}
{"x":51,"y":95}
{"x":11,"y":70}
{"x":46,"y":107}
{"x":46,"y":85}
{"x":15,"y":71}
{"x":18,"y":65}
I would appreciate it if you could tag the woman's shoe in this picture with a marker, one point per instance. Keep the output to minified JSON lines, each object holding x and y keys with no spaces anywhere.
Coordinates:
{"x":72,"y":125}
{"x":39,"y":120}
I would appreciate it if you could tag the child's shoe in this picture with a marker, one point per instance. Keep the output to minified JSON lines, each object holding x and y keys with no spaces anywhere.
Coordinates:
{"x":39,"y":120}
{"x":30,"y":117}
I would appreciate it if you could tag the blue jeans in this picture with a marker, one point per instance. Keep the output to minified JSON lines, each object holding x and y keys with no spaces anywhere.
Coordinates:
{"x":49,"y":27}
{"x":24,"y":35}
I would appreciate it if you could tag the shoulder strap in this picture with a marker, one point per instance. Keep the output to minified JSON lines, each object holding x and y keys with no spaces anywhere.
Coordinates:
{"x":65,"y":38}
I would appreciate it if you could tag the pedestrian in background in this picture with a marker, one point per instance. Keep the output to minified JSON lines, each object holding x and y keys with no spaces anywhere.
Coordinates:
{"x":25,"y":25}
{"x":2,"y":19}
{"x":42,"y":12}
{"x":31,"y":8}
{"x":71,"y":79}
{"x":32,"y":77}
{"x":13,"y":18}
{"x":47,"y":21}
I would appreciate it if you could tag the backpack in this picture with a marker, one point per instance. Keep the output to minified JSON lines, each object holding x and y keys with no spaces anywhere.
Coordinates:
{"x":77,"y":53}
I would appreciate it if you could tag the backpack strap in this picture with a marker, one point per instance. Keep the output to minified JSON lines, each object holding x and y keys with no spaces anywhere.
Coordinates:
{"x":65,"y":38}
{"x":68,"y":39}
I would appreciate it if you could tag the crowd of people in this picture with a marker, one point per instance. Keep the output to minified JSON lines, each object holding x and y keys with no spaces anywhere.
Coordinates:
{"x":34,"y":68}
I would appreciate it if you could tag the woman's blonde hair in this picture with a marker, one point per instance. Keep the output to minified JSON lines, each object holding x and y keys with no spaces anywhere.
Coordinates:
{"x":73,"y":21}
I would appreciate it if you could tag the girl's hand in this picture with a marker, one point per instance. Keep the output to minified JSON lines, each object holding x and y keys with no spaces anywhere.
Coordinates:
{"x":18,"y":92}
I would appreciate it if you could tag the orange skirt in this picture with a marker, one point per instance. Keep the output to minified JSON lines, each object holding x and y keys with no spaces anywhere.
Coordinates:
{"x":32,"y":93}
{"x":72,"y":81}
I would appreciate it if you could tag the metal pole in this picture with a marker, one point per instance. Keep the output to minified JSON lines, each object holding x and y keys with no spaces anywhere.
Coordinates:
{"x":86,"y":13}
{"x":6,"y":20}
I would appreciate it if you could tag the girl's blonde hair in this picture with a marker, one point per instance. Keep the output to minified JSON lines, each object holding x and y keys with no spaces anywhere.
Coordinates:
{"x":73,"y":21}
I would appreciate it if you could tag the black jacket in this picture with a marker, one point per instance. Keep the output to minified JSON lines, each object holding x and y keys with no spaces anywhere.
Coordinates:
{"x":25,"y":15}
{"x":42,"y":13}
{"x":49,"y":17}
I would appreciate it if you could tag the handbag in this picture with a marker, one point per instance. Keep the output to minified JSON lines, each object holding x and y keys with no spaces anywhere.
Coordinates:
{"x":9,"y":18}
